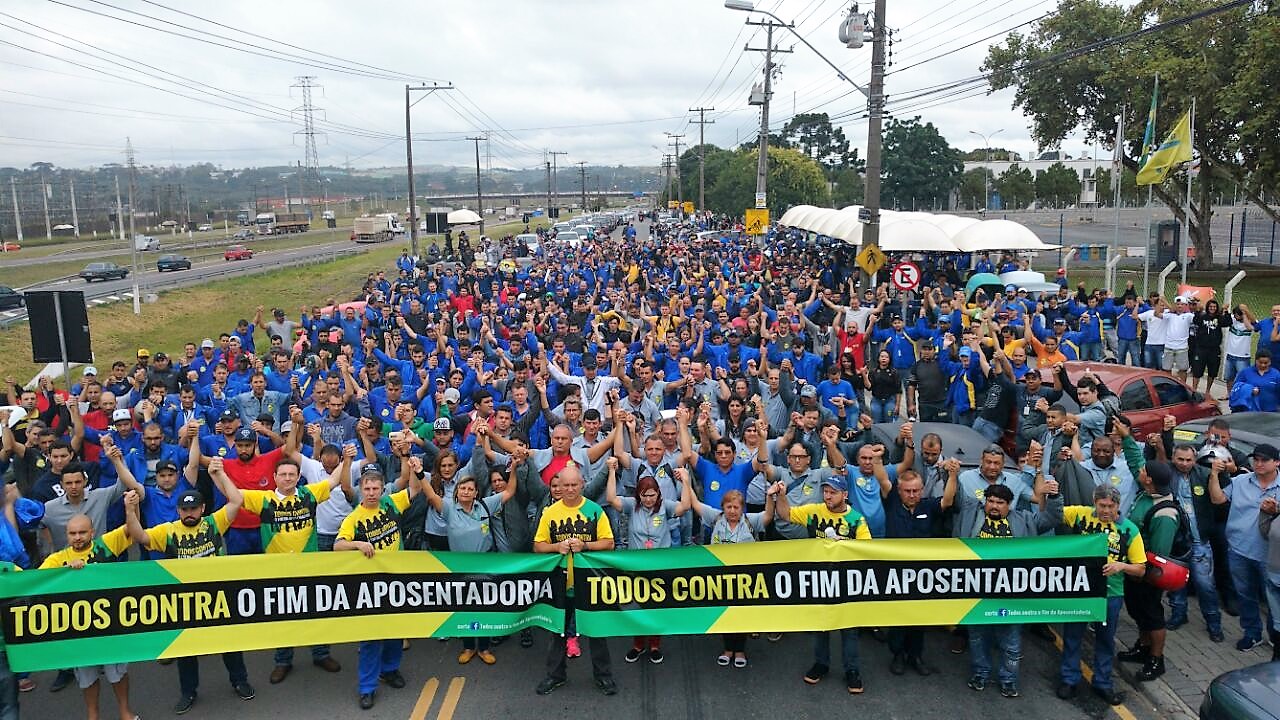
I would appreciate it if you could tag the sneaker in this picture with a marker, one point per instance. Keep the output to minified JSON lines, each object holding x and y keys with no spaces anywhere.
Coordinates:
{"x":1110,"y":696}
{"x":977,"y":683}
{"x":366,"y":701}
{"x":487,"y":657}
{"x":1151,"y":669}
{"x":1247,"y":643}
{"x":1065,"y":691}
{"x":526,"y":638}
{"x":244,"y":691}
{"x":853,"y":681}
{"x":1175,"y":622}
{"x":184,"y":704}
{"x":606,"y":685}
{"x":816,"y":673}
{"x":655,"y":656}
{"x":958,"y":644}
{"x":63,"y":679}
{"x":548,"y":686}
{"x":393,"y":679}
{"x":633,"y":654}
{"x":773,"y":637}
{"x":724,"y":660}
{"x":1009,"y":690}
{"x":1137,"y":653}
{"x":571,"y":648}
{"x":1216,"y":635}
{"x":26,"y":684}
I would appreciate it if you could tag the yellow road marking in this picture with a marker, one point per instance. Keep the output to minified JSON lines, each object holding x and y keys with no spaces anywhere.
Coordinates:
{"x":427,"y":695}
{"x":454,"y":692}
{"x":1087,"y":672}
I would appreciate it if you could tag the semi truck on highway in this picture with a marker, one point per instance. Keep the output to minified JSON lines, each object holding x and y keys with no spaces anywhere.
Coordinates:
{"x":379,"y":228}
{"x":282,"y":223}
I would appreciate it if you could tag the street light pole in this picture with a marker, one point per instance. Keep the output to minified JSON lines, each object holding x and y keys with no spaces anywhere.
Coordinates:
{"x":408,"y":152}
{"x":986,"y":171}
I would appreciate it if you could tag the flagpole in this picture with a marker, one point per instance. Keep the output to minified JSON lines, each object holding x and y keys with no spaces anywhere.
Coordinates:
{"x":1117,"y":172}
{"x":1186,"y":243}
{"x":1151,"y":211}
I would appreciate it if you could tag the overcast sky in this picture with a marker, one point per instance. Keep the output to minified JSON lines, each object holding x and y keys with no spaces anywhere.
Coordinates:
{"x":602,"y":80}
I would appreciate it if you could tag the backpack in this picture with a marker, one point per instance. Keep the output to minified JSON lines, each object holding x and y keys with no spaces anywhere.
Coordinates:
{"x":1181,"y":548}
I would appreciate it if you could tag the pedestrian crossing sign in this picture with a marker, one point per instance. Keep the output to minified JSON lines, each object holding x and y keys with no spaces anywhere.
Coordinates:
{"x":757,"y":221}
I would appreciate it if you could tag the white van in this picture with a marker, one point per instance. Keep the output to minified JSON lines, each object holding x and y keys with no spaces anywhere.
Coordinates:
{"x":145,"y":243}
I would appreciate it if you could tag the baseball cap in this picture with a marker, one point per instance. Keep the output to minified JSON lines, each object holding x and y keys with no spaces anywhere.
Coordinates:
{"x":207,"y":343}
{"x":143,"y":352}
{"x":443,"y":423}
{"x":1060,"y":321}
{"x":245,"y":434}
{"x":966,"y":352}
{"x":588,"y":361}
{"x":944,"y":319}
{"x":91,"y":370}
{"x":227,"y":415}
{"x":121,"y":415}
{"x":1010,"y":288}
{"x":278,"y":312}
{"x":166,"y":465}
{"x":452,"y":395}
{"x":1181,"y":299}
{"x":1265,"y":451}
{"x":161,"y":356}
{"x":808,"y":391}
{"x":837,"y":482}
{"x":190,"y":499}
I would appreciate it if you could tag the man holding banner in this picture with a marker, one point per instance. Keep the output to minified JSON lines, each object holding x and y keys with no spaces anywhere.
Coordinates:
{"x":570,"y":525}
{"x":194,"y":535}
{"x":832,"y":518}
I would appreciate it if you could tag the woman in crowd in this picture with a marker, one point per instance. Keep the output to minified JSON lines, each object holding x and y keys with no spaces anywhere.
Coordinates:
{"x":885,"y":383}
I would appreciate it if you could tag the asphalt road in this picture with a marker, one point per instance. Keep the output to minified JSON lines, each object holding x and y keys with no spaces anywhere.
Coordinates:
{"x":199,"y":273}
{"x":688,"y":684}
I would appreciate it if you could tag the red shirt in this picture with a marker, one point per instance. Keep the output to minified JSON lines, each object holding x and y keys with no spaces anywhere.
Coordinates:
{"x":556,"y":465}
{"x":257,"y":474}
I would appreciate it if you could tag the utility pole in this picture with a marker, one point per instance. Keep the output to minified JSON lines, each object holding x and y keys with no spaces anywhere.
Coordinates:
{"x":666,"y":168}
{"x":762,"y":163}
{"x":44,"y":196}
{"x":875,"y":108}
{"x":133,"y":243}
{"x":548,"y":164}
{"x":479,"y":201}
{"x":119,"y":209}
{"x":582,"y":174}
{"x":675,"y":140}
{"x":702,"y":122}
{"x":75,"y":215}
{"x":555,"y":175}
{"x":17,"y":212}
{"x":408,"y":153}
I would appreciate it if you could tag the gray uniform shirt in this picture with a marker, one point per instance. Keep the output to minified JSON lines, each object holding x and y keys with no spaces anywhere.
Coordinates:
{"x":59,"y":511}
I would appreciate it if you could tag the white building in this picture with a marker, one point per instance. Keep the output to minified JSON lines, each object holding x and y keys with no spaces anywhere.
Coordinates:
{"x":1086,"y":168}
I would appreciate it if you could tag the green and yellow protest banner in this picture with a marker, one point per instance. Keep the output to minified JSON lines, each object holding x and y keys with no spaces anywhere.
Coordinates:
{"x":803,"y":585}
{"x":131,"y":611}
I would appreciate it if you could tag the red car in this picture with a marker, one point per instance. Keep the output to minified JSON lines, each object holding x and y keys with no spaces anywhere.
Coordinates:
{"x":237,"y":252}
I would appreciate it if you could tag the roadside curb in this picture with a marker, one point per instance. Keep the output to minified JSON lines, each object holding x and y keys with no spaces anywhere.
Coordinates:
{"x":1167,"y":703}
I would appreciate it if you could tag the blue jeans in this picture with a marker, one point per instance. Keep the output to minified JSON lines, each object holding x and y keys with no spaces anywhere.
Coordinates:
{"x":884,"y":410}
{"x":1233,"y":367}
{"x":1249,"y":576}
{"x":848,"y":649}
{"x":378,"y":657}
{"x":987,"y":429}
{"x":284,"y":656}
{"x":242,"y":541}
{"x":1129,"y":352}
{"x":324,"y":542}
{"x":1104,"y":648}
{"x":1007,"y":639}
{"x":1152,"y":356}
{"x":1273,"y":602}
{"x":1206,"y":589}
{"x":961,"y":417}
{"x":471,"y":643}
{"x":1091,"y":351}
{"x":189,"y":671}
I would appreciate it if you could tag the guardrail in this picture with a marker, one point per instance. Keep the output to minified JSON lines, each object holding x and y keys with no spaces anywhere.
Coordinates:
{"x":177,"y":279}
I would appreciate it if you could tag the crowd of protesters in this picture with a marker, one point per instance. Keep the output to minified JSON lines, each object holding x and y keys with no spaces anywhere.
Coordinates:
{"x":658,"y":385}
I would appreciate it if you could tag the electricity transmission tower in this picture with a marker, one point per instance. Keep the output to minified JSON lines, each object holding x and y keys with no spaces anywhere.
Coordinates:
{"x":306,"y":83}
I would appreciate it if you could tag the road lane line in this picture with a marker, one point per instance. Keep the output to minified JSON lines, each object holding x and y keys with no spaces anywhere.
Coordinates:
{"x":425,"y":698}
{"x":1087,"y":672}
{"x":450,"y":702}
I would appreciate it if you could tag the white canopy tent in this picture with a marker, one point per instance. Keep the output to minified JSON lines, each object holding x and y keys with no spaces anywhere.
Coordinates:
{"x":920,"y":231}
{"x":462,"y":217}
{"x":999,"y":235}
{"x":912,"y":235}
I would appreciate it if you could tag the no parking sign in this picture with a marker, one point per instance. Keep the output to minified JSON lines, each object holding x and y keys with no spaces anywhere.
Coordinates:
{"x":905,"y":276}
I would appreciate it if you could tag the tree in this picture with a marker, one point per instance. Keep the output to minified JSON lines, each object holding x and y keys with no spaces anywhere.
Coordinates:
{"x":997,"y":153}
{"x":918,"y":165}
{"x":813,"y":135}
{"x":794,"y":179}
{"x":1058,"y":186}
{"x":1017,"y":187}
{"x":850,"y":188}
{"x":973,"y":188}
{"x":1226,"y":61}
{"x":715,"y":160}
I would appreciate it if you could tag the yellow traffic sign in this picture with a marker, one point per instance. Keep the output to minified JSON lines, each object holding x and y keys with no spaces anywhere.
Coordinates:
{"x":871,"y":259}
{"x":688,"y":208}
{"x":757,"y":222}
{"x":673,"y":204}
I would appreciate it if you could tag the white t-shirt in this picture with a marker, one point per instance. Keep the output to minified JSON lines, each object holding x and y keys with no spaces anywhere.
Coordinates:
{"x":1177,"y":328}
{"x":1156,"y":326}
{"x":1239,"y":340}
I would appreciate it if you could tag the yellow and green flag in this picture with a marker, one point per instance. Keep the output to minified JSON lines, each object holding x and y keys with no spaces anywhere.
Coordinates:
{"x":1175,"y":150}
